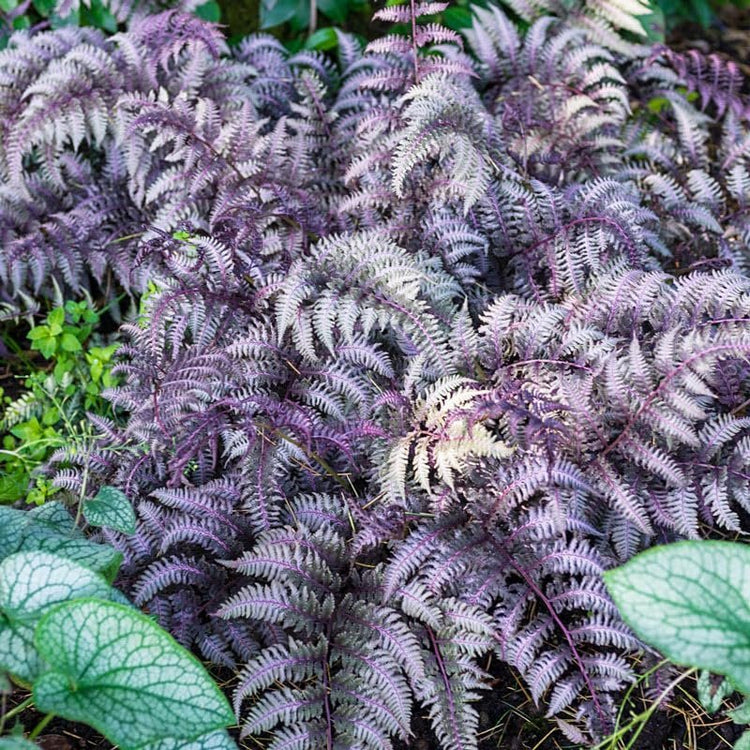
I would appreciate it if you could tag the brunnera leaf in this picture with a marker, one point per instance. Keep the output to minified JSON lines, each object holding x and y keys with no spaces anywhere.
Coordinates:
{"x":217,"y":740}
{"x":691,"y":600}
{"x":50,"y":528}
{"x":30,"y":584}
{"x":111,"y":508}
{"x":16,"y":743}
{"x":118,"y":671}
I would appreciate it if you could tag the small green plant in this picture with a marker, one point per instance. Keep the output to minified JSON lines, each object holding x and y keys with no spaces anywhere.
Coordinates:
{"x":625,"y":733}
{"x":315,"y":24}
{"x":111,"y":508}
{"x":51,"y":528}
{"x":64,"y":339}
{"x":21,"y":15}
{"x":17,"y":14}
{"x":691,"y":600}
{"x":302,"y":14}
{"x":51,"y":412}
{"x":128,"y":678}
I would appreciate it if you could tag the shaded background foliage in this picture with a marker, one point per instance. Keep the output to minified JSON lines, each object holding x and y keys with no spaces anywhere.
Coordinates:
{"x":302,"y":23}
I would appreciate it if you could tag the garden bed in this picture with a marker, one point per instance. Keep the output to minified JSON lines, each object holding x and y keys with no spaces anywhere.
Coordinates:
{"x":427,"y":349}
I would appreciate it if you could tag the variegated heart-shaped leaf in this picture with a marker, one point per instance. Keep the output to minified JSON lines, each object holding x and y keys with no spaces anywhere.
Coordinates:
{"x":118,"y":671}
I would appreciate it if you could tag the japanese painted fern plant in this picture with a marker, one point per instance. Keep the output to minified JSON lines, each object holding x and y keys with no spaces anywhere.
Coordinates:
{"x":435,"y":335}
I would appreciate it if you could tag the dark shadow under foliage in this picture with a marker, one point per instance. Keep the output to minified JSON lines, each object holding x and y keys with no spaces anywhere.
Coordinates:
{"x":428,"y":341}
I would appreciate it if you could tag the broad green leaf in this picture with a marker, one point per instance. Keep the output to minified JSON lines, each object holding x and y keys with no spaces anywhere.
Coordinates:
{"x":8,"y":5}
{"x":70,"y":343}
{"x":103,"y":353}
{"x":117,"y":670}
{"x":322,"y":39}
{"x":51,"y":416}
{"x":457,"y":18}
{"x":16,"y":743}
{"x":691,"y":600}
{"x":741,"y":714}
{"x":743,"y":743}
{"x":12,"y":526}
{"x":89,"y":315}
{"x":54,"y":518}
{"x":96,"y":368}
{"x":219,"y":740}
{"x":336,"y":10}
{"x":99,"y":557}
{"x":13,"y":486}
{"x":47,"y":347}
{"x":98,"y":16}
{"x":62,"y":367}
{"x":110,"y":508}
{"x":276,"y":12}
{"x":72,"y":19}
{"x":210,"y":11}
{"x":56,"y":317}
{"x":44,"y":7}
{"x":50,"y":528}
{"x":28,"y":431}
{"x":38,"y":332}
{"x":31,"y":583}
{"x":702,"y":12}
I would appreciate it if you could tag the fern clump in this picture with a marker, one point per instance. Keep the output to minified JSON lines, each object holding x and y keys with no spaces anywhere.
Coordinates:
{"x":435,"y":334}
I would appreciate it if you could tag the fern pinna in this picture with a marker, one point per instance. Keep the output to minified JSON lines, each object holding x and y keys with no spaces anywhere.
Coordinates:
{"x":434,"y":334}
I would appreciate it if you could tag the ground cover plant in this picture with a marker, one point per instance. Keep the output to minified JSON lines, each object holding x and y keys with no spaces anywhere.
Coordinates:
{"x":690,"y":600}
{"x":87,"y":653}
{"x":51,"y":410}
{"x":418,"y":341}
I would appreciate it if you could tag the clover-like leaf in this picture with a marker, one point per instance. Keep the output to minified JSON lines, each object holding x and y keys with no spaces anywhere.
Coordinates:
{"x":111,"y":508}
{"x":691,"y":600}
{"x":117,"y":670}
{"x":31,"y":583}
{"x":50,"y":528}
